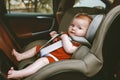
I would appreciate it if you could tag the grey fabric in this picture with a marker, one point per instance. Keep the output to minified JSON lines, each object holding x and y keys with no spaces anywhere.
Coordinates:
{"x":93,"y":27}
{"x":81,"y":52}
{"x":82,"y":40}
{"x":34,"y":43}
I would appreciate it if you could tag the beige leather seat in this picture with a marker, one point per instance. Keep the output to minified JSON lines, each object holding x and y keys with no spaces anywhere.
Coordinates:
{"x":87,"y":63}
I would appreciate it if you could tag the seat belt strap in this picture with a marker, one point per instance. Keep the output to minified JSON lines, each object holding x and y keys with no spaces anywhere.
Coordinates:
{"x":46,"y":50}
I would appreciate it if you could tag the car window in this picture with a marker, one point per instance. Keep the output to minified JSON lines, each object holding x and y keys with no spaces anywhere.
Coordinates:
{"x":29,"y":6}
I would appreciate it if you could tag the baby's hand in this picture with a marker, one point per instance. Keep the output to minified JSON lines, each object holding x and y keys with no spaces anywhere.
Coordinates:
{"x":53,"y":33}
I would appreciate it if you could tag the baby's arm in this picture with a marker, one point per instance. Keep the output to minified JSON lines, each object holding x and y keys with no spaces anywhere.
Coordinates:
{"x":67,"y":45}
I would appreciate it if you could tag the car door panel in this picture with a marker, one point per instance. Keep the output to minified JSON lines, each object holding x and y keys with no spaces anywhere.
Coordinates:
{"x":33,"y":24}
{"x":25,"y":27}
{"x":30,"y":28}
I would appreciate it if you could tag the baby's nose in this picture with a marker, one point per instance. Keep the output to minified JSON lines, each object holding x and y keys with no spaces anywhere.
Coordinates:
{"x":74,"y":28}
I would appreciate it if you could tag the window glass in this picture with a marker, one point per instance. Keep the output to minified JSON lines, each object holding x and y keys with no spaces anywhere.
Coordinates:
{"x":30,"y":6}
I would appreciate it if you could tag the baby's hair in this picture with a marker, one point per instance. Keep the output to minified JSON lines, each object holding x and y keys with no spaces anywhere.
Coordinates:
{"x":83,"y":16}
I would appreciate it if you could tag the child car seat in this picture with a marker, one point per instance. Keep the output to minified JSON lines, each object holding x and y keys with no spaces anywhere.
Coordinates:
{"x":83,"y":63}
{"x":98,"y":62}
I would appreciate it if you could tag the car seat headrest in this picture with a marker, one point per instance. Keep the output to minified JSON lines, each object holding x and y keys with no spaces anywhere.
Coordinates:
{"x":93,"y":27}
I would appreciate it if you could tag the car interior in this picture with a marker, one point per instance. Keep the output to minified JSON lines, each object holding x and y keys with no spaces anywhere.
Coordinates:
{"x":96,"y":59}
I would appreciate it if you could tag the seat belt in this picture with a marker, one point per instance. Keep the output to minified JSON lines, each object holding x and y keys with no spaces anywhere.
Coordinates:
{"x":46,"y":50}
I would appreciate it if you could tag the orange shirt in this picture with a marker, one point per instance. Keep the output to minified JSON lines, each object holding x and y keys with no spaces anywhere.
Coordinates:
{"x":60,"y":53}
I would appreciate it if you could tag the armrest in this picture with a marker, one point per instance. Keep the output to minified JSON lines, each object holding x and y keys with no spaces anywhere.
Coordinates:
{"x":81,"y":52}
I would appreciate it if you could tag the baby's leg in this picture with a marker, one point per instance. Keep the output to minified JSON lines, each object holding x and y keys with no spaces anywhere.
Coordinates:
{"x":31,"y":69}
{"x":27,"y":54}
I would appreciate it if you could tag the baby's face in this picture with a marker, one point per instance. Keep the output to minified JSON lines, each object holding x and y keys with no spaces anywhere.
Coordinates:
{"x":78,"y":27}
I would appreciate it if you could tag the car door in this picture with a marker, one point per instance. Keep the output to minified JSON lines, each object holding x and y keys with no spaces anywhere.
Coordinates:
{"x":29,"y":20}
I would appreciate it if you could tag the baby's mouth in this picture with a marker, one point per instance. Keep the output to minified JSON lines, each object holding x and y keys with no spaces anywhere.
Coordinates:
{"x":72,"y":32}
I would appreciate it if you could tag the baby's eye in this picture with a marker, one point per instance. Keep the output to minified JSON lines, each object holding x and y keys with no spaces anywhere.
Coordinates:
{"x":72,"y":25}
{"x":79,"y":27}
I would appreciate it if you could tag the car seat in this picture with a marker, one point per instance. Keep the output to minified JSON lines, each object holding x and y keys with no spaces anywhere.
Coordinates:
{"x":98,"y":62}
{"x":84,"y":59}
{"x":95,"y":63}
